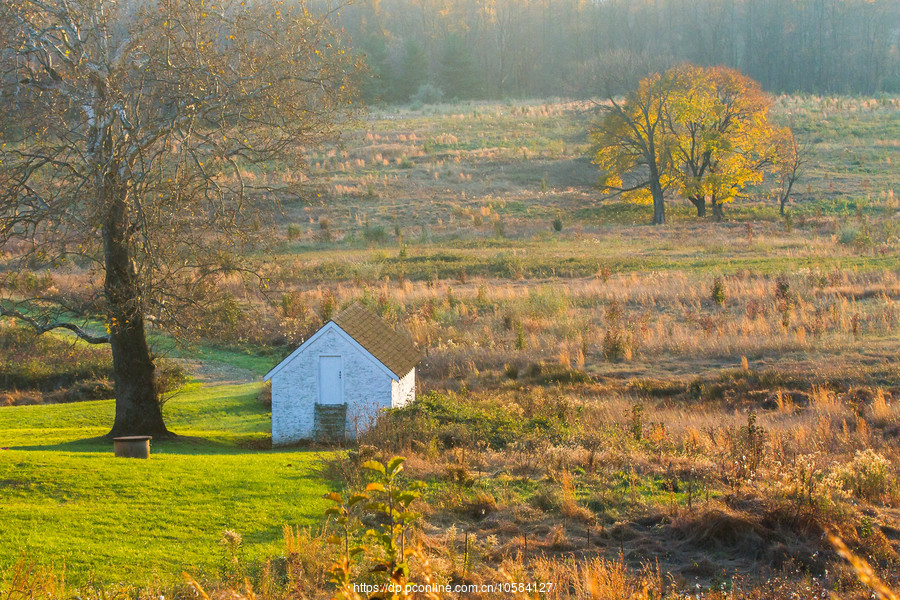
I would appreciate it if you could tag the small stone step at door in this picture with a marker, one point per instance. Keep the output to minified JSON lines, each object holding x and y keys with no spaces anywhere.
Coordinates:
{"x":331,"y":423}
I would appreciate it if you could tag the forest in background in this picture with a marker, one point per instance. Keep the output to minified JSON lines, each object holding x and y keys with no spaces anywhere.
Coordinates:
{"x":496,"y":49}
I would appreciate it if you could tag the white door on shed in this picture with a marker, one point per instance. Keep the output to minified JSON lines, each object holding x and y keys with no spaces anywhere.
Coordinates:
{"x":331,"y":380}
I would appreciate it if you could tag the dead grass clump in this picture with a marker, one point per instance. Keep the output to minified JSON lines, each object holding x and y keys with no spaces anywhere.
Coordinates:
{"x":695,"y":442}
{"x":784,"y":401}
{"x":826,"y":403}
{"x":656,"y":388}
{"x":548,"y":498}
{"x":25,"y":580}
{"x":882,"y":412}
{"x":719,"y":529}
{"x":556,"y":538}
{"x":613,"y":580}
{"x":307,"y":559}
{"x":21,"y":398}
{"x":459,"y":474}
{"x":569,"y":506}
{"x":482,"y":505}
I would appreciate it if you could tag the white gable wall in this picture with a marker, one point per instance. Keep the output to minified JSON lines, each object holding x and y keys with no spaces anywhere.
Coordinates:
{"x":404,"y":391}
{"x":295,"y":387}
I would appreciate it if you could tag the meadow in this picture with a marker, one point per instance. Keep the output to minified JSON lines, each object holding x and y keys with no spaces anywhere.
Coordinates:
{"x":611,"y":406}
{"x":68,"y":504}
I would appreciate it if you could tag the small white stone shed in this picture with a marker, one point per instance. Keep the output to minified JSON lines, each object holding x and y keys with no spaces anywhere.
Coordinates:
{"x":333,"y":386}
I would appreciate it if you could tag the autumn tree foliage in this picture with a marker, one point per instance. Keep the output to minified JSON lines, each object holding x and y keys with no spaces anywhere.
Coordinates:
{"x":143,"y":133}
{"x":722,"y":136}
{"x":711,"y":133}
{"x":632,"y":145}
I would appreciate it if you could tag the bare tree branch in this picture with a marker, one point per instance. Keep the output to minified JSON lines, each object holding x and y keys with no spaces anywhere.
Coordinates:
{"x":44,"y":327}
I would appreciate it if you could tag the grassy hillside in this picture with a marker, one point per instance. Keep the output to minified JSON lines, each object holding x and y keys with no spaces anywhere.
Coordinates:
{"x":66,"y":501}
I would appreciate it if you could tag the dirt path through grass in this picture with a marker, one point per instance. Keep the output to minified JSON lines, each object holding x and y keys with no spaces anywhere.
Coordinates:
{"x":210,"y":372}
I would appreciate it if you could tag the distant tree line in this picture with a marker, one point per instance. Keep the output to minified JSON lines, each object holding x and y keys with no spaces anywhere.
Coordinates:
{"x":423,"y":49}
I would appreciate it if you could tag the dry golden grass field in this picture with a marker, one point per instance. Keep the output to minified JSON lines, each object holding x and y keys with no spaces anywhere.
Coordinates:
{"x":623,"y":410}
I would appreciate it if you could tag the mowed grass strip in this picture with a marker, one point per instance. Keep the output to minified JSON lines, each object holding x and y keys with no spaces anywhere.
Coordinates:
{"x":66,"y":501}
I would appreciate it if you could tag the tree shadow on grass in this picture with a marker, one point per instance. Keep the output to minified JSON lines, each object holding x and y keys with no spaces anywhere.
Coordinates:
{"x":178,"y":444}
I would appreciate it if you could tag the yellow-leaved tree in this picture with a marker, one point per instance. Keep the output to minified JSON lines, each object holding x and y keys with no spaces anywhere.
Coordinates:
{"x":631,"y":145}
{"x":703,"y":132}
{"x":721,"y":133}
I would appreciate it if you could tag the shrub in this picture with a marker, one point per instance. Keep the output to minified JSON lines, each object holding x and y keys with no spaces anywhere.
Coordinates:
{"x":636,"y":422}
{"x":617,"y":345}
{"x":509,"y":264}
{"x":753,"y":440}
{"x":866,"y":476}
{"x":557,"y":224}
{"x":718,"y":291}
{"x":614,"y":312}
{"x":265,"y":396}
{"x":852,"y":235}
{"x":547,"y":302}
{"x":511,"y":371}
{"x":807,"y":485}
{"x":89,"y":389}
{"x":387,"y":501}
{"x":324,"y":234}
{"x":293,"y":305}
{"x":49,"y":362}
{"x":232,"y":545}
{"x":170,"y":378}
{"x":327,"y":306}
{"x":785,"y":298}
{"x":427,"y":94}
{"x":520,"y":337}
{"x":375,"y":234}
{"x":457,"y":421}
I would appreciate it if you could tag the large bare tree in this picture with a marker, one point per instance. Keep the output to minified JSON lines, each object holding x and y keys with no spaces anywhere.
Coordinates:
{"x":140,"y":150}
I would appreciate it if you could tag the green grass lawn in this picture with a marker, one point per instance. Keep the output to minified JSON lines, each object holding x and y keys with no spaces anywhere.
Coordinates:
{"x":66,"y":501}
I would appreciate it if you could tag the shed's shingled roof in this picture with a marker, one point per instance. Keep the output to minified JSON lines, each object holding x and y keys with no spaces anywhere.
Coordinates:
{"x":395,"y":350}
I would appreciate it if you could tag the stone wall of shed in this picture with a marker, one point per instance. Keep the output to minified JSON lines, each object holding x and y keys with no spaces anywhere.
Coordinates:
{"x":367,"y":389}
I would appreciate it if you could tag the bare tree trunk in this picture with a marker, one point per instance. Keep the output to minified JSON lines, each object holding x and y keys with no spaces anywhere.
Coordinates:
{"x":718,"y":211}
{"x":785,"y":196}
{"x":137,"y":407}
{"x":700,"y":203}
{"x":659,"y":204}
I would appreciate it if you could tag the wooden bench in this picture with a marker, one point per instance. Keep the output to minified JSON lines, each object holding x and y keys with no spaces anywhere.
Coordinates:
{"x":132,"y":446}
